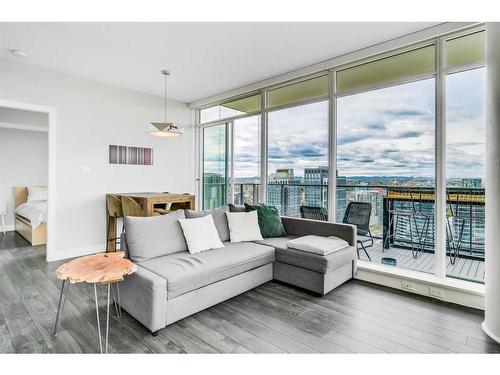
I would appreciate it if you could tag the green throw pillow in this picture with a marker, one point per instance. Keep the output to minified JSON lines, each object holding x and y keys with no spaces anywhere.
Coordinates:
{"x":269,"y":220}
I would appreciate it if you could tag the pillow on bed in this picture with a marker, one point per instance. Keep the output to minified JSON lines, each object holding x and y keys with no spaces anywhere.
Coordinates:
{"x":37,"y":193}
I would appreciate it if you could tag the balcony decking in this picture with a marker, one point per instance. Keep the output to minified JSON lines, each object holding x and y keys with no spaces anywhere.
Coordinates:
{"x":463,"y":268}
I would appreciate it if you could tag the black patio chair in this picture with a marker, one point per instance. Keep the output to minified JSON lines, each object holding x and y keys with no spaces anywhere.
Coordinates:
{"x":313,"y":212}
{"x":358,"y":213}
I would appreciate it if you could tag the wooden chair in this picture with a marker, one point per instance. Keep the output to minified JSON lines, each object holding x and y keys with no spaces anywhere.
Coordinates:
{"x":131,"y":207}
{"x":114,"y":208}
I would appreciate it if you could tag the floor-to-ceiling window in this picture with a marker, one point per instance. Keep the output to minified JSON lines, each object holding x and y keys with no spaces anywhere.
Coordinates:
{"x":246,"y":160}
{"x":385,"y":155}
{"x":465,"y":149}
{"x":391,"y":142}
{"x":297,"y":149}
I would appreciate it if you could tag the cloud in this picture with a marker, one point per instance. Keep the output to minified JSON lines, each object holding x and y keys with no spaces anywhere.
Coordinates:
{"x":378,"y":126}
{"x":386,"y":132}
{"x":344,"y":139}
{"x":410,"y":134}
{"x":366,"y":160}
{"x":406,"y":113}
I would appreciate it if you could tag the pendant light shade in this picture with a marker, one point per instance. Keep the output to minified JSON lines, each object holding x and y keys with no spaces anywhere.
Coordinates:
{"x":165,"y":129}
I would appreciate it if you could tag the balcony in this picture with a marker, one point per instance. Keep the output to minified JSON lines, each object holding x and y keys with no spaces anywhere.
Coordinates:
{"x":465,"y":221}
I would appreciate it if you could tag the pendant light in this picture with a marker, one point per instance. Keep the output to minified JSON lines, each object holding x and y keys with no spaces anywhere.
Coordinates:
{"x":165,"y":129}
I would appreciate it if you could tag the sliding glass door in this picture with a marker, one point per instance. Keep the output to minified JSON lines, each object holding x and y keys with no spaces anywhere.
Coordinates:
{"x":231,"y":162}
{"x":215,"y":165}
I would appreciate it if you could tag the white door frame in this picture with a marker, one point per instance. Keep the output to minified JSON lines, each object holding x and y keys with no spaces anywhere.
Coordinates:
{"x":51,"y":213}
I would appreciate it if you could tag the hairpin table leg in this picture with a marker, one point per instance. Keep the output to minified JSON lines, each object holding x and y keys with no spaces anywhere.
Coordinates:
{"x":107,"y":319}
{"x":119,"y":302}
{"x":97,"y":315}
{"x":60,"y":307}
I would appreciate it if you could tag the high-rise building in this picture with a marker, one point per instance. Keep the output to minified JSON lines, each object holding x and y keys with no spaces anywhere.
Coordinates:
{"x":214,"y":190}
{"x":284,"y":192}
{"x":341,"y":196}
{"x":316,"y":186}
{"x":471,"y":182}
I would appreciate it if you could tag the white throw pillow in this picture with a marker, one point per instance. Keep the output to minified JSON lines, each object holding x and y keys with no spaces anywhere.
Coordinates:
{"x":201,"y":234}
{"x":243,"y":226}
{"x":37,"y":193}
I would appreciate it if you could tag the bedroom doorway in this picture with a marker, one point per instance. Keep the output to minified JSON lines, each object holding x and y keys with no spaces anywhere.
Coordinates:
{"x":26,"y":153}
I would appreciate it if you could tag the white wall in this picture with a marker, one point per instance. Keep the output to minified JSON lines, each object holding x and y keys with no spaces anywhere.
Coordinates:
{"x":23,"y":162}
{"x":12,"y":117}
{"x":90,"y":116}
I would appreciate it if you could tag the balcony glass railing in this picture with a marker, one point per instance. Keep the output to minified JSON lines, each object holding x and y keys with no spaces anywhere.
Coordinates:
{"x":464,"y":221}
{"x":465,"y":209}
{"x":246,"y":193}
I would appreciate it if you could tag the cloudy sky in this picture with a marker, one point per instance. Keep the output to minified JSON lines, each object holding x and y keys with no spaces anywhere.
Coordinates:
{"x":387,"y":132}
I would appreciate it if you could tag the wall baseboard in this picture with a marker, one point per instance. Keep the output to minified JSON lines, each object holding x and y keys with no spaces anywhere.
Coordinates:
{"x":8,"y":228}
{"x":77,"y":252}
{"x":444,"y":289}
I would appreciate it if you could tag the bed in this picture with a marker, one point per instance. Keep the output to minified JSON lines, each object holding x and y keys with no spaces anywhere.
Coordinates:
{"x":31,"y":217}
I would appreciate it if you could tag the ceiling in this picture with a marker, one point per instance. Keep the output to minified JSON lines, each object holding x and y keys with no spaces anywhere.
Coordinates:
{"x":205,"y":58}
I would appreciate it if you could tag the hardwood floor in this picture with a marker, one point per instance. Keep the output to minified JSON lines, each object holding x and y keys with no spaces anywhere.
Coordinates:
{"x":274,"y":318}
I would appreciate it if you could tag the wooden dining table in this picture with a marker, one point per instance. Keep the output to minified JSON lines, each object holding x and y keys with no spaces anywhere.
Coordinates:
{"x":148,"y":201}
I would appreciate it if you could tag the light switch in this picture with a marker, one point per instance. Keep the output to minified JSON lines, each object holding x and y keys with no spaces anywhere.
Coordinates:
{"x":85,"y":169}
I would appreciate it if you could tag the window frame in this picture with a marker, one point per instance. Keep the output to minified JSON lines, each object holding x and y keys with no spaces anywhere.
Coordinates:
{"x":439,"y":41}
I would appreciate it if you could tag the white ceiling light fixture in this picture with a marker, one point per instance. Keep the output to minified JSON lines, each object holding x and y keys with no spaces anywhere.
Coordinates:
{"x":165,"y":129}
{"x":17,"y":52}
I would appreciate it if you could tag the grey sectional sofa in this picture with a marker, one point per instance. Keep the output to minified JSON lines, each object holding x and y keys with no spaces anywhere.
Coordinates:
{"x":171,"y":287}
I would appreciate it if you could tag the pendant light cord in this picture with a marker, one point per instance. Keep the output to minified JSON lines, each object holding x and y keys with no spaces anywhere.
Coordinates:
{"x":165,"y":97}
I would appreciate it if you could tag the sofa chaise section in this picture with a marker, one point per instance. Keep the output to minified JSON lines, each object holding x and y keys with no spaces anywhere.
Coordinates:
{"x":311,"y":271}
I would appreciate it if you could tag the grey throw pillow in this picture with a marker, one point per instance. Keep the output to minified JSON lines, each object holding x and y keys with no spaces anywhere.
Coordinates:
{"x":154,"y":236}
{"x":220,"y":220}
{"x":237,"y":208}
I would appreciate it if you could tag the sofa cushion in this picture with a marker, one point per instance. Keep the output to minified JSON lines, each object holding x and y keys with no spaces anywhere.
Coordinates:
{"x":317,"y":244}
{"x":269,"y":220}
{"x":310,"y":261}
{"x":154,"y":236}
{"x":185,"y":272}
{"x":220,"y":220}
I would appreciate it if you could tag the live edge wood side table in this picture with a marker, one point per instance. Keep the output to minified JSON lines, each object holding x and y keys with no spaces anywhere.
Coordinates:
{"x":101,"y":268}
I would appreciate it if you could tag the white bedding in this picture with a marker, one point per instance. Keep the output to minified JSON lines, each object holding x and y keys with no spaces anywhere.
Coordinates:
{"x":35,"y":212}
